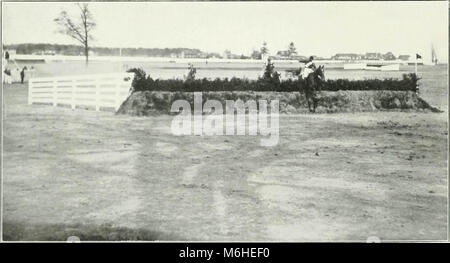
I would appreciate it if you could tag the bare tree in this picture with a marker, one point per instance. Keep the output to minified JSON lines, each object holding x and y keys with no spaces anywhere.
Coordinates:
{"x":79,"y":30}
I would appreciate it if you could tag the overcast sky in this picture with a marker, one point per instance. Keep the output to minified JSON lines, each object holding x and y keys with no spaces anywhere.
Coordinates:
{"x":323,"y":28}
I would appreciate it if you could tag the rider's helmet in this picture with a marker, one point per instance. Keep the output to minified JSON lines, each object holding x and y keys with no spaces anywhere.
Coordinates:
{"x":311,"y":58}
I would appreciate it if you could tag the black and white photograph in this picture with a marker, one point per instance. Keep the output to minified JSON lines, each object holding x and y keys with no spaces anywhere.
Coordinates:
{"x":224,"y":122}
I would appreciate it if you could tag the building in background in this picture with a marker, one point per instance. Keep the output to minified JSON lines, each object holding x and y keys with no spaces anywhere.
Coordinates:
{"x":226,"y":54}
{"x":404,"y":57}
{"x":347,"y":56}
{"x":373,"y":56}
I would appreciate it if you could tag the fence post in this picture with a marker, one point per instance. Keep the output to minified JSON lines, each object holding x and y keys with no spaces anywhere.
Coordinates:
{"x":117,"y":99}
{"x":97,"y":95}
{"x":73,"y":83}
{"x":55,"y":92}
{"x":30,"y":90}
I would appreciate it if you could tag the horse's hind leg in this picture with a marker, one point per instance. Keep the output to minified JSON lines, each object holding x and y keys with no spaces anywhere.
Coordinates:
{"x":314,"y":104}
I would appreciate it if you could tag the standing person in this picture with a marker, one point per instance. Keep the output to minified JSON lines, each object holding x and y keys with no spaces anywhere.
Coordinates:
{"x":5,"y":59}
{"x":22,"y":74}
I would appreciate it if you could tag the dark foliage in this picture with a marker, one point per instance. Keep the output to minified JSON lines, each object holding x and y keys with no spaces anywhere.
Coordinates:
{"x":270,"y":75}
{"x":140,"y":81}
{"x":143,"y":82}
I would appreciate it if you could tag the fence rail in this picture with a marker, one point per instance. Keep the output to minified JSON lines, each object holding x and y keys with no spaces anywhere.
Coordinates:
{"x":99,"y":90}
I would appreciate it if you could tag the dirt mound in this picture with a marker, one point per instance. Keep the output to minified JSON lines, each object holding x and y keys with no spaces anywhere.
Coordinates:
{"x":157,"y":102}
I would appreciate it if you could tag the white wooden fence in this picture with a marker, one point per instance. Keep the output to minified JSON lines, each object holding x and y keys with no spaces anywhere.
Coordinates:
{"x":99,"y":90}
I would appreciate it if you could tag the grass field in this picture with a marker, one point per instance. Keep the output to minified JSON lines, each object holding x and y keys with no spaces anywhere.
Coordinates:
{"x":332,"y":176}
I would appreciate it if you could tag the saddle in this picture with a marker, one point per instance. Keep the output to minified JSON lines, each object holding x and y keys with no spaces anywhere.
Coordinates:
{"x":305,"y":73}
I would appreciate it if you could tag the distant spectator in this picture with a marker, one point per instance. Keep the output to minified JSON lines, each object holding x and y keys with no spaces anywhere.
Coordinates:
{"x":7,"y":55}
{"x":22,"y":74}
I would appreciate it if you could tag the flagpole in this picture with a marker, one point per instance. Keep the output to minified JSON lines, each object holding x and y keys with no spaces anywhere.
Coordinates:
{"x":415,"y":65}
{"x":121,"y":63}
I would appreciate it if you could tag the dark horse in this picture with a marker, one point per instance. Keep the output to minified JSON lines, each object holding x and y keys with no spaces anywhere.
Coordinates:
{"x":314,"y":83}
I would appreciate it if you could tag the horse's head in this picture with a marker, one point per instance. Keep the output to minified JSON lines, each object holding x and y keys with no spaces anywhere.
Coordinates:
{"x":320,"y":73}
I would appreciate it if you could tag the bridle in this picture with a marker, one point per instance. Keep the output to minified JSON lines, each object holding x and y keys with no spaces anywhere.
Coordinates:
{"x":320,"y":75}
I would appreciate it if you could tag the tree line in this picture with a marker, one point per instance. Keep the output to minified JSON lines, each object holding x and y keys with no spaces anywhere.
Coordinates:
{"x":75,"y":50}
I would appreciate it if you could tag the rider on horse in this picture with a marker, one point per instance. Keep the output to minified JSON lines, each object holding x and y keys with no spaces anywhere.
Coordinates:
{"x":310,"y":67}
{"x":314,"y":78}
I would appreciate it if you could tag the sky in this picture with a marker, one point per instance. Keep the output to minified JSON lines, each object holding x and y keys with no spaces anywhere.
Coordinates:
{"x":321,"y":28}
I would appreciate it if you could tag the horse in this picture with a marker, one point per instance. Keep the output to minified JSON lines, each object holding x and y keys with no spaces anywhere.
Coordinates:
{"x":314,"y":83}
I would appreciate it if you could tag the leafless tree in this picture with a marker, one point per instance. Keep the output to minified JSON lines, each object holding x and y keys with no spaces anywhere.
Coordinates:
{"x":78,"y":29}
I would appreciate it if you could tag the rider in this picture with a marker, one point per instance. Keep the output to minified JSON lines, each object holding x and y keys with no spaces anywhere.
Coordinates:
{"x":310,"y":67}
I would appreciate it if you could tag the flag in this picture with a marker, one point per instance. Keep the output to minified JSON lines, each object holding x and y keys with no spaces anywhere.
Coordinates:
{"x":418,"y":56}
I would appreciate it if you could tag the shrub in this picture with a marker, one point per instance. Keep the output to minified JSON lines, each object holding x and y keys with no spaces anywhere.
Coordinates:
{"x":140,"y":81}
{"x":143,"y":82}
